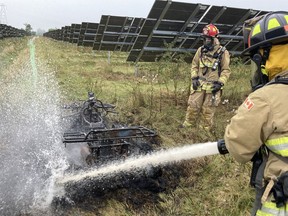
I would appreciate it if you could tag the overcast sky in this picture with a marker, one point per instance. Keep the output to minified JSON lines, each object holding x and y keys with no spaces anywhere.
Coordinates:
{"x":46,"y":14}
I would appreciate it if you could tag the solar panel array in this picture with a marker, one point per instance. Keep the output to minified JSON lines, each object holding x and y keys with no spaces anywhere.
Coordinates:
{"x":177,"y":26}
{"x":9,"y":31}
{"x":170,"y":26}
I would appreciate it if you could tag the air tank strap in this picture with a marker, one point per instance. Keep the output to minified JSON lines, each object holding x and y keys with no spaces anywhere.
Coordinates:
{"x":279,"y":80}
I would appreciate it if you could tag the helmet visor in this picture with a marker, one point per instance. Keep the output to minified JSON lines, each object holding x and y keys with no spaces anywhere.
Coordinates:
{"x":255,"y":75}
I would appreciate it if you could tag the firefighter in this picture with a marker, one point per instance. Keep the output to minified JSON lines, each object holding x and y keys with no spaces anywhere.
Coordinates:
{"x":209,"y":73}
{"x":259,"y":130}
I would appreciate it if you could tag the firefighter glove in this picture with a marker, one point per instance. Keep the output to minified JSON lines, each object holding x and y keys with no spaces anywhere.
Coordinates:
{"x":195,"y":83}
{"x":216,"y":86}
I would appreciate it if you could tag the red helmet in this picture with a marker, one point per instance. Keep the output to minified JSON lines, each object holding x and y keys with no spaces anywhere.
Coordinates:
{"x":210,"y":30}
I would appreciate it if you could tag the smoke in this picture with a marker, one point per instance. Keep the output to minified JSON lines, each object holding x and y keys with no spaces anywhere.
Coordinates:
{"x":31,"y":151}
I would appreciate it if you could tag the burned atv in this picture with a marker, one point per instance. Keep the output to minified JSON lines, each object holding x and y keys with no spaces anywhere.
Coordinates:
{"x":102,"y":140}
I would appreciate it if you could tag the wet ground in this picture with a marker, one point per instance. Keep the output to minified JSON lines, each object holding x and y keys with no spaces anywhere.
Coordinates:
{"x":137,"y":190}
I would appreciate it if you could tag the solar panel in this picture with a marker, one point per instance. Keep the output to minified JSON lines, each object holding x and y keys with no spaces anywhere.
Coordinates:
{"x":81,"y":33}
{"x":62,"y":33}
{"x":177,"y":26}
{"x":117,"y":33}
{"x":66,"y":33}
{"x":74,"y":33}
{"x":87,"y":34}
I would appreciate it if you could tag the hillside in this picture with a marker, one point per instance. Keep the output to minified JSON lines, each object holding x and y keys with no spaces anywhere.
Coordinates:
{"x":155,"y":97}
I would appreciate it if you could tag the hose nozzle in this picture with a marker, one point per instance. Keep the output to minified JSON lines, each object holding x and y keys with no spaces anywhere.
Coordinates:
{"x":222,"y":147}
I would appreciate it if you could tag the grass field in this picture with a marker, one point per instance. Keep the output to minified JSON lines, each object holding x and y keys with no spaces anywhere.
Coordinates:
{"x":156,"y":98}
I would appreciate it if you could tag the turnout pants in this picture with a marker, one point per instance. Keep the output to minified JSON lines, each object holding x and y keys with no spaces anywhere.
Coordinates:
{"x":202,"y":106}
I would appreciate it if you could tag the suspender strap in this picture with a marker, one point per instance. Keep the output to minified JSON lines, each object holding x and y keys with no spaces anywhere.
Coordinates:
{"x":217,"y":55}
{"x":260,"y":188}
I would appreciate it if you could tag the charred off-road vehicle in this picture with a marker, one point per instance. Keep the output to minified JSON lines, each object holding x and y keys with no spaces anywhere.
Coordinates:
{"x":101,"y":139}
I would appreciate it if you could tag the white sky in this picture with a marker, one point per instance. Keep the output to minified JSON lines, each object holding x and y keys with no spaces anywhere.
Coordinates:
{"x":45,"y":14}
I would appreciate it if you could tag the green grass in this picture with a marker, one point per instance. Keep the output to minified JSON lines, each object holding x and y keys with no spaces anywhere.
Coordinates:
{"x":156,"y":97}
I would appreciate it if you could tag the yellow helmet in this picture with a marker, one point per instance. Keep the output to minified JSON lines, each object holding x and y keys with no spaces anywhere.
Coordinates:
{"x":265,"y":38}
{"x":270,"y":29}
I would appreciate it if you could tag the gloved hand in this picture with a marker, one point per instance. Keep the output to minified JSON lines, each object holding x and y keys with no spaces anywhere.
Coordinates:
{"x":195,"y":83}
{"x":216,"y":86}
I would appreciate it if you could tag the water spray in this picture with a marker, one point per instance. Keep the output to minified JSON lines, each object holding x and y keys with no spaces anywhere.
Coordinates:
{"x":33,"y":61}
{"x":156,"y":158}
{"x":31,"y":151}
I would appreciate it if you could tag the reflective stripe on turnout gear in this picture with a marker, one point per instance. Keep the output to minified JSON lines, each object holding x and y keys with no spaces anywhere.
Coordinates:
{"x":204,"y":63}
{"x":278,"y":146}
{"x":270,"y":209}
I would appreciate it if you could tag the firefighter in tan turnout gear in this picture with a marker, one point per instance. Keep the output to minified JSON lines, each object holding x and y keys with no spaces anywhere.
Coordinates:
{"x":259,"y":130}
{"x":209,"y":73}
